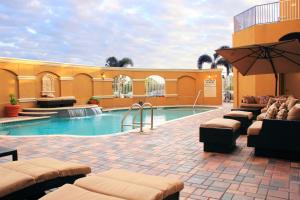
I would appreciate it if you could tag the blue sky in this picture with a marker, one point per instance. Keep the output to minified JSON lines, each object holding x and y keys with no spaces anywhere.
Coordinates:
{"x":155,"y":34}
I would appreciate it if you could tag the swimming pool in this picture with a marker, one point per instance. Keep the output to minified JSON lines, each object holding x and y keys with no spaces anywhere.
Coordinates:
{"x":103,"y":124}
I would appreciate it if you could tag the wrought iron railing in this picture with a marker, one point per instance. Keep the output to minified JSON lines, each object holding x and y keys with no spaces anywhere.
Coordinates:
{"x":268,"y":13}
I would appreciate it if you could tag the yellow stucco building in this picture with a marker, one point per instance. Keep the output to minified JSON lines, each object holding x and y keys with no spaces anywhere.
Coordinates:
{"x":265,"y":24}
{"x":23,"y":78}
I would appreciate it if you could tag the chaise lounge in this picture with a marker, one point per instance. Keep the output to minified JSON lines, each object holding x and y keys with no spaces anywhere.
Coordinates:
{"x":29,"y":179}
{"x":117,"y":184}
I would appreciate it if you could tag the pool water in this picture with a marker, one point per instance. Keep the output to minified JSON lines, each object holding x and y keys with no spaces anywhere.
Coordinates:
{"x":103,"y":124}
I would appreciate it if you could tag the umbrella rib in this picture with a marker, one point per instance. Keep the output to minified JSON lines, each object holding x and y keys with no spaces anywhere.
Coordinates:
{"x":246,"y":56}
{"x":284,"y":51}
{"x":250,"y":66}
{"x":291,"y":60}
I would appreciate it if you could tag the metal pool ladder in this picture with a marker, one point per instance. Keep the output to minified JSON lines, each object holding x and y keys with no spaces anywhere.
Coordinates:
{"x":140,"y":109}
{"x":199,"y":92}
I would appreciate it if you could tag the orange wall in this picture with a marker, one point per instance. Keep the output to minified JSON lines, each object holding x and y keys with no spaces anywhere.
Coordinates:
{"x":23,"y":78}
{"x":263,"y":33}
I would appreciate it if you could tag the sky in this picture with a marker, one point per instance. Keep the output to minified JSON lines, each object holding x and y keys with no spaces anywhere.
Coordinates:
{"x":153,"y":33}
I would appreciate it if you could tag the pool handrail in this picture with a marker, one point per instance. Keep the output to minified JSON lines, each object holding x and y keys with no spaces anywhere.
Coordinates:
{"x":140,"y":110}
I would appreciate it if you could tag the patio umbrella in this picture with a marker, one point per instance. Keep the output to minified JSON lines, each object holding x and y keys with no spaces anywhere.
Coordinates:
{"x":270,"y":58}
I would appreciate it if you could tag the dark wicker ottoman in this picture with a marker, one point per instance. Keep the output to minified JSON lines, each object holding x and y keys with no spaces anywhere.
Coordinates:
{"x":219,"y":135}
{"x":244,"y":117}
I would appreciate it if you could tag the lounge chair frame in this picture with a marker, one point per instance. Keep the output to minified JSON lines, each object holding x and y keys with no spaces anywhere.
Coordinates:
{"x":277,"y":138}
{"x":38,"y":190}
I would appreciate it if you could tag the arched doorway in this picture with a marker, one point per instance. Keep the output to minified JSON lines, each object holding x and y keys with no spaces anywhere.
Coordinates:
{"x":186,"y":90}
{"x":82,"y":88}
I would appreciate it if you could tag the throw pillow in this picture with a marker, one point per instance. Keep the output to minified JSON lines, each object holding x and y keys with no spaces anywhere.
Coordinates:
{"x":282,"y":114}
{"x":271,"y":112}
{"x":283,"y":106}
{"x":294,"y":113}
{"x":271,"y":101}
{"x":264,"y":100}
{"x":291,"y":103}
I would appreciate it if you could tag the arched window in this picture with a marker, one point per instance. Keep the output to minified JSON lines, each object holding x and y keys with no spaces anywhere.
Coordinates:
{"x":155,"y":86}
{"x":48,"y":88}
{"x":122,"y":86}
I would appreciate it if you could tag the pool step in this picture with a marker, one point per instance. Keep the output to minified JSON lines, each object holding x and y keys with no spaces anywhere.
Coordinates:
{"x":37,"y":114}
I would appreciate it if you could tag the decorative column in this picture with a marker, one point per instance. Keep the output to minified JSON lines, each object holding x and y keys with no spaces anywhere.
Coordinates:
{"x":139,"y":90}
{"x":66,"y":86}
{"x":103,"y":88}
{"x":26,"y":89}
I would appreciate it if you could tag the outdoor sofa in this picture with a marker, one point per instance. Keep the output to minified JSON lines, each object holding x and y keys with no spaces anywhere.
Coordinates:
{"x":277,"y":137}
{"x":29,"y":179}
{"x":118,"y":184}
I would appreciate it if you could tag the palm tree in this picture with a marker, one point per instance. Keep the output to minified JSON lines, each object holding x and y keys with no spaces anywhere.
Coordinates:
{"x":114,"y":62}
{"x":215,"y":61}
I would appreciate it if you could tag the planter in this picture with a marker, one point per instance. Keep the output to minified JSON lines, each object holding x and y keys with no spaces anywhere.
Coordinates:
{"x":95,"y":102}
{"x":12,"y":110}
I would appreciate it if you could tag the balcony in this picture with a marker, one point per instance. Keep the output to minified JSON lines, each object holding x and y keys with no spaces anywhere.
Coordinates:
{"x":284,"y":10}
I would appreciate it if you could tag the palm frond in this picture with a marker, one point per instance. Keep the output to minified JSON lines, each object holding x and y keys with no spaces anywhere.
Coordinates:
{"x":226,"y":64}
{"x":125,"y":61}
{"x":203,"y":59}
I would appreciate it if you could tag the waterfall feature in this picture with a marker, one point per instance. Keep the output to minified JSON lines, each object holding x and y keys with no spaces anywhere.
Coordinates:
{"x":81,"y":112}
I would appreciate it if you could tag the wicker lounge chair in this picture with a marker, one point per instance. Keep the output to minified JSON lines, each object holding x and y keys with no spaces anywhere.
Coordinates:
{"x":29,"y":179}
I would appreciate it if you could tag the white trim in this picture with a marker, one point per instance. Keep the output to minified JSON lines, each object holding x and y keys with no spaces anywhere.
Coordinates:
{"x":96,"y":68}
{"x":103,"y":80}
{"x":170,"y":79}
{"x":139,"y":95}
{"x":26,"y":100}
{"x":138,"y":79}
{"x":66,"y":78}
{"x":104,"y":96}
{"x":171,"y":95}
{"x":26,"y":77}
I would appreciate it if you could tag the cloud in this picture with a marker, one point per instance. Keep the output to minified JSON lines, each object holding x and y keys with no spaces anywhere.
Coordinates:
{"x":155,"y":34}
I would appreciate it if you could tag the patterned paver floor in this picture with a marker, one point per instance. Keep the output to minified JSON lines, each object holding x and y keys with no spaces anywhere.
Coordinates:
{"x":173,"y":149}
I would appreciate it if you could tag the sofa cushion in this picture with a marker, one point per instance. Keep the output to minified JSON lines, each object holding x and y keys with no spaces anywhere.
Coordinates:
{"x":117,"y":188}
{"x":72,"y":192}
{"x":222,"y":123}
{"x":272,"y":111}
{"x":238,"y":113}
{"x":252,"y":105}
{"x":261,"y":116}
{"x":12,"y":181}
{"x":39,"y":173}
{"x":271,"y":101}
{"x":167,"y":185}
{"x":255,"y":128}
{"x":294,"y":113}
{"x":64,"y":168}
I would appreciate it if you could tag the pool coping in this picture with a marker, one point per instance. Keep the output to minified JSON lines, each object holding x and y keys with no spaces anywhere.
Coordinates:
{"x":125,"y":132}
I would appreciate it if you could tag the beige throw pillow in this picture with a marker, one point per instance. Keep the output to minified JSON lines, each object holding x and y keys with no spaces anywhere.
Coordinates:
{"x":294,"y":113}
{"x":282,"y":114}
{"x":272,"y":111}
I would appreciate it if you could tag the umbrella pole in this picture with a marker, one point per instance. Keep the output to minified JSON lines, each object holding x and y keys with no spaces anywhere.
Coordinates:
{"x":273,"y":67}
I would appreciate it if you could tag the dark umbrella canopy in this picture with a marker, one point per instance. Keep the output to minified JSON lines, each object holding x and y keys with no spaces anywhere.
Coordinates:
{"x":280,"y":57}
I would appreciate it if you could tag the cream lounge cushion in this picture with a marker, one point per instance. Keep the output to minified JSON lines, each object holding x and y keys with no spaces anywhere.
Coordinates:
{"x":240,"y":114}
{"x":167,"y":185}
{"x":255,"y":128}
{"x":11,"y":181}
{"x":64,"y":168}
{"x":222,"y":123}
{"x":117,"y":188}
{"x":72,"y":192}
{"x":39,"y":174}
{"x":294,"y":113}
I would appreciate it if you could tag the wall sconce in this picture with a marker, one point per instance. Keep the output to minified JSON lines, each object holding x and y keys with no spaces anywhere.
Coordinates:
{"x":209,"y":77}
{"x":102,"y":76}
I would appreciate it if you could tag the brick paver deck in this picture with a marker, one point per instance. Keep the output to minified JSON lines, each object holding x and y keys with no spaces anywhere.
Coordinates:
{"x":174,"y":150}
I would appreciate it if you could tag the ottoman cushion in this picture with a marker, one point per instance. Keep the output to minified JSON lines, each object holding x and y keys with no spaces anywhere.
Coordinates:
{"x":238,"y":113}
{"x":255,"y":128}
{"x":234,"y":125}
